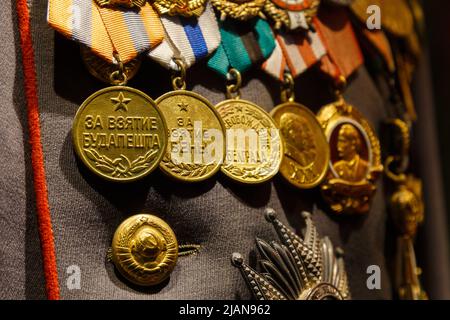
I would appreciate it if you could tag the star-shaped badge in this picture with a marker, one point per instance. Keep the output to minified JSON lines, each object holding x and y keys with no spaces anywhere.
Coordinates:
{"x":120,"y":102}
{"x":183,"y":106}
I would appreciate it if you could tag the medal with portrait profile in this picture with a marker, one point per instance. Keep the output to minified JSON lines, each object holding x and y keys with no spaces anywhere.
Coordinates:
{"x":355,"y":158}
{"x":306,"y":152}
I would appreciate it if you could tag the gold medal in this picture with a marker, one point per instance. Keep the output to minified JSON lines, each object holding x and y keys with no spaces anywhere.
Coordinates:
{"x":102,"y":69}
{"x":254,"y":148}
{"x":306,"y":151}
{"x":186,"y":8}
{"x":355,"y":158}
{"x":250,"y":164}
{"x":196,"y":134}
{"x":119,"y":134}
{"x":406,"y":206}
{"x":144,"y":249}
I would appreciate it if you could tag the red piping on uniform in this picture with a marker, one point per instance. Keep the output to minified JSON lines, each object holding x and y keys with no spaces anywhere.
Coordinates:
{"x":37,"y":156}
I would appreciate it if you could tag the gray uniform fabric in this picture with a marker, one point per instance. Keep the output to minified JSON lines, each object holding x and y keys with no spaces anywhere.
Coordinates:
{"x":219,"y":215}
{"x":20,"y":255}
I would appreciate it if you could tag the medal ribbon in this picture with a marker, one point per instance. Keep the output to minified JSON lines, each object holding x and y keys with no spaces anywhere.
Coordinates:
{"x":188,"y":38}
{"x":242,"y":45}
{"x":344,"y":55}
{"x":381,"y":43}
{"x":105,"y":30}
{"x":295,"y":52}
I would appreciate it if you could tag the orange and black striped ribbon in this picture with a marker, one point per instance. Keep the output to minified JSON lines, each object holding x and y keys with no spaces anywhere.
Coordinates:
{"x":127,"y":32}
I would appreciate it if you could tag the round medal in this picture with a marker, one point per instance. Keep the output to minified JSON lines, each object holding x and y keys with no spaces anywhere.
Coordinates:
{"x":119,"y":134}
{"x":196,"y":136}
{"x":306,"y":151}
{"x":145,"y":249}
{"x":254,"y":148}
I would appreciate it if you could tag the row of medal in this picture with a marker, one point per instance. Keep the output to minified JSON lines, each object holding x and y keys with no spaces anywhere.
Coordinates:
{"x":122,"y":135}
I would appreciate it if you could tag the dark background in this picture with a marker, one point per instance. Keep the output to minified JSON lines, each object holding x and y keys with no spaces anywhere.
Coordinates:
{"x":437,"y":15}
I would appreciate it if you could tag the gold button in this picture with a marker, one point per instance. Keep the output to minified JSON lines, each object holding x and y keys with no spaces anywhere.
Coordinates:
{"x":144,"y":249}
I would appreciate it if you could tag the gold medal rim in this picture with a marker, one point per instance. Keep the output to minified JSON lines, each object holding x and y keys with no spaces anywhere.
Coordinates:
{"x":316,"y":122}
{"x":118,"y":263}
{"x":222,"y":125}
{"x":77,"y":146}
{"x":231,"y":176}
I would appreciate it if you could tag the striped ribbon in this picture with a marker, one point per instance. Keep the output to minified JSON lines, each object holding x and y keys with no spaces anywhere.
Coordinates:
{"x":242,"y":45}
{"x":295,"y":52}
{"x":106,"y":30}
{"x":187,"y":38}
{"x":344,"y":55}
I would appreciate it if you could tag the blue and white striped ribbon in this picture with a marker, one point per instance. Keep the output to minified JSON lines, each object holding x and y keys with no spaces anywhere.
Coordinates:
{"x":189,"y":39}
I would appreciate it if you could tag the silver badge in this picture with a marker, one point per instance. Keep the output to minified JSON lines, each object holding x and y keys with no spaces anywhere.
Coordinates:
{"x":298,"y":268}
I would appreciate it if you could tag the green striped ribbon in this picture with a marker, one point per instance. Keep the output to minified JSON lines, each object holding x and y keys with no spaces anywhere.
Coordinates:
{"x":242,"y":45}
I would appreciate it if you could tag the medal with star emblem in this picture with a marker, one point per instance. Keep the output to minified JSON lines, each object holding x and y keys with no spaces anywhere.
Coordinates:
{"x":196,"y":136}
{"x":196,"y":133}
{"x":119,"y":134}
